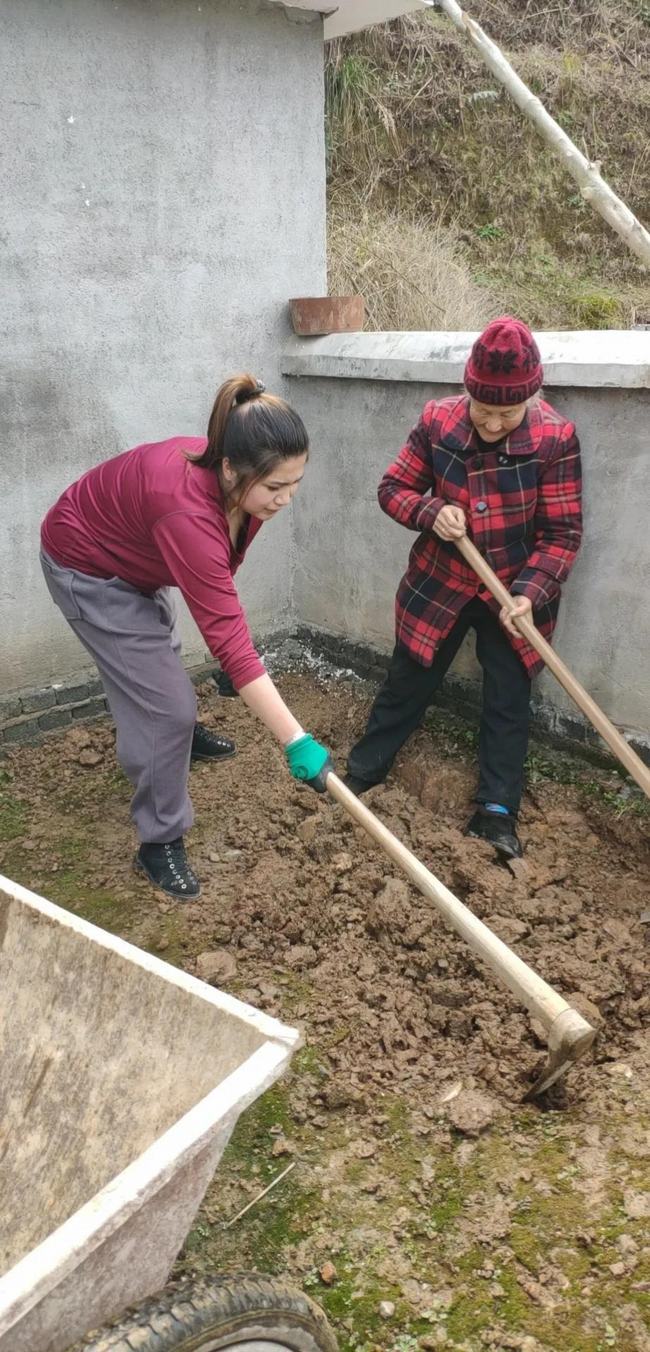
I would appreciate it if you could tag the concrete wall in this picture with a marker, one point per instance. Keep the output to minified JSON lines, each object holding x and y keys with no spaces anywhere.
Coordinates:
{"x":361,"y":394}
{"x":165,"y":170}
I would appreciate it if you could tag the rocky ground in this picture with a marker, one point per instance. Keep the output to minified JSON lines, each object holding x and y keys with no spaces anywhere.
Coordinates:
{"x":427,"y":1207}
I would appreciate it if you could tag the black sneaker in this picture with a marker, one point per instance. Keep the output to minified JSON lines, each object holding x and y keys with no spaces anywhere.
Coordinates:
{"x":210,"y":746}
{"x":166,"y":866}
{"x":357,"y":786}
{"x":499,"y":828}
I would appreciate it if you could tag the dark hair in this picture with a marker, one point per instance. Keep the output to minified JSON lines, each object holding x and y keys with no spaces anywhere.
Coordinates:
{"x":251,"y":429}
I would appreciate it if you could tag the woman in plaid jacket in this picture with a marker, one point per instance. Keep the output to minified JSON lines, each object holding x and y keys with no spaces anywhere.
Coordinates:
{"x":501,"y":464}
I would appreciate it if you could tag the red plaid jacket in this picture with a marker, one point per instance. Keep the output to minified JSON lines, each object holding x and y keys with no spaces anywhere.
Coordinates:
{"x":522,"y":502}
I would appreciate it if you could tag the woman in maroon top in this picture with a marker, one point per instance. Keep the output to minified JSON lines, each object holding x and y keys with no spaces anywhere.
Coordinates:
{"x":177,"y":513}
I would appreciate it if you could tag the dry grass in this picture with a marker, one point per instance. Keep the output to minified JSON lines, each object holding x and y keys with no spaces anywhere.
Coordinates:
{"x":413,"y":274}
{"x":420,"y":132}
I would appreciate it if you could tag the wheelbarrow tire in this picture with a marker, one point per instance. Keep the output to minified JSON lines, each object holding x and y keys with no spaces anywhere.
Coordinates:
{"x":235,"y":1311}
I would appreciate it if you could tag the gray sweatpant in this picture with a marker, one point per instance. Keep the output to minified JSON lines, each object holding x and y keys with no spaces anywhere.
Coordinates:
{"x":131,"y":637}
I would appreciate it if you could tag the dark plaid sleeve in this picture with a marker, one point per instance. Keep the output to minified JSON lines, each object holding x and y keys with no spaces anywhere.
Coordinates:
{"x":404,"y":492}
{"x":558,"y":523}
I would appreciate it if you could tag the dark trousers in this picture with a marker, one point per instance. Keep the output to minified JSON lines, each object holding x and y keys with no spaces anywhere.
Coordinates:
{"x":402,"y":702}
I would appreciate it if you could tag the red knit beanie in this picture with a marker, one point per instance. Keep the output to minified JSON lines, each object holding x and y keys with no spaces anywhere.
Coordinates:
{"x":504,"y":365}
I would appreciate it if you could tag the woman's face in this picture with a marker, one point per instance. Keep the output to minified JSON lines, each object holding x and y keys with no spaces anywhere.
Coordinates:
{"x":492,"y":422}
{"x":266,"y":497}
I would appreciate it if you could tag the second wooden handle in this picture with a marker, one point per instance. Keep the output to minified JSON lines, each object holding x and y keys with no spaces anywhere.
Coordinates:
{"x":528,"y":630}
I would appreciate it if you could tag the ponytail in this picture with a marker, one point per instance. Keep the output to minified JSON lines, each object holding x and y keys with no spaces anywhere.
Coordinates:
{"x":253,"y":430}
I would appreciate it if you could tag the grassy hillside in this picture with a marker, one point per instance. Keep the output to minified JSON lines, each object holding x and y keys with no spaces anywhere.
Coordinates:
{"x":445,"y":205}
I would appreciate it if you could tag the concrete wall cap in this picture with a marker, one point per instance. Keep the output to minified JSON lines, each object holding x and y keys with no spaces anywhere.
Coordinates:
{"x":587,"y":358}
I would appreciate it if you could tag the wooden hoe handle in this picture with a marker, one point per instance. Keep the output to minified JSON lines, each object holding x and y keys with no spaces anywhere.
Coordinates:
{"x":528,"y":629}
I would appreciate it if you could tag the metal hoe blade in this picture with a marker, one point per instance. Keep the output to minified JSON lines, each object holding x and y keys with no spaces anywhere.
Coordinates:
{"x":569,"y":1037}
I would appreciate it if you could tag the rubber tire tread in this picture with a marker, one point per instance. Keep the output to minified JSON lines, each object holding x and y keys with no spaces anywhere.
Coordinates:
{"x":179,"y":1318}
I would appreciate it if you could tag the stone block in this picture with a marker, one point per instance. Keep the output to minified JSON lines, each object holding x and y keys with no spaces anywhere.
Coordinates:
{"x":34,"y":700}
{"x":72,"y":694}
{"x":10,"y":707}
{"x":26,"y":730}
{"x":92,"y":708}
{"x":55,"y":718}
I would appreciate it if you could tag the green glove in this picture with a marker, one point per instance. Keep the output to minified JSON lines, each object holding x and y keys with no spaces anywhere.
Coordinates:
{"x":309,"y":761}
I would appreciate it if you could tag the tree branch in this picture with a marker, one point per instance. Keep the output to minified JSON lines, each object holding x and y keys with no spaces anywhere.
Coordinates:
{"x":593,"y":187}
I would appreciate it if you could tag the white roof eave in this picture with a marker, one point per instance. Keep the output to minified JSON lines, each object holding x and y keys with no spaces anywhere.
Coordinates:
{"x":349,"y":16}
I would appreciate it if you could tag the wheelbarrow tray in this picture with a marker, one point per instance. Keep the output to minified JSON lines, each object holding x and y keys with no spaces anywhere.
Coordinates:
{"x":121,"y":1080}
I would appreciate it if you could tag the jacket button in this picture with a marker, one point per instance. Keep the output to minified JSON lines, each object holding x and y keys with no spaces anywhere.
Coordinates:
{"x":481,"y":506}
{"x":478,"y":463}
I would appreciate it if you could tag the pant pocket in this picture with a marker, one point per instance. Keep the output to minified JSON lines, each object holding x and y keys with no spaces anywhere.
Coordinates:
{"x":60,"y":584}
{"x":166,"y":608}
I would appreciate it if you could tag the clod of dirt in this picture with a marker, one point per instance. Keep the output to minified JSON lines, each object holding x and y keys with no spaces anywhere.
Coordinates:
{"x":301,"y":955}
{"x":618,"y":1269}
{"x":283,"y":1147}
{"x":364,"y":1150}
{"x":508,"y":928}
{"x":89,"y":755}
{"x":307,"y":830}
{"x":637,"y":1205}
{"x":389,"y":908}
{"x":219,"y":965}
{"x":73,"y":742}
{"x":448,"y":786}
{"x":472,"y":1112}
{"x":328,"y":1274}
{"x":535,"y":1290}
{"x":338,"y":1094}
{"x":587,"y":1008}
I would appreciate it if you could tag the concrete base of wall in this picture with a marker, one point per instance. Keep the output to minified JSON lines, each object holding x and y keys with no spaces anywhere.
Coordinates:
{"x":28,"y":715}
{"x":31,"y":714}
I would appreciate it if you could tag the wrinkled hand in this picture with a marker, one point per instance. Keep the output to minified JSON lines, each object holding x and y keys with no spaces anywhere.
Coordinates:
{"x":519,"y":605}
{"x":450,"y":523}
{"x":309,"y":762}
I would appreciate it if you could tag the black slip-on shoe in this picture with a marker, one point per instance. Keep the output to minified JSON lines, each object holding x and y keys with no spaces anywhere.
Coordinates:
{"x":210,"y":746}
{"x":499,"y":828}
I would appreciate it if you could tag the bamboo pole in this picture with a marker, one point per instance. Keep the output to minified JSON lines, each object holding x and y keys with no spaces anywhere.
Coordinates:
{"x":587,"y":175}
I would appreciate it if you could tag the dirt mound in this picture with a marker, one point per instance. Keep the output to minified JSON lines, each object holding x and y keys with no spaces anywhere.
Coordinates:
{"x":320,"y":927}
{"x":451,"y":1215}
{"x":389,"y":992}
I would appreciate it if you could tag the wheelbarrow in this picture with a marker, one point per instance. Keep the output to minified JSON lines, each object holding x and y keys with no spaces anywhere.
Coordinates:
{"x":121,"y":1080}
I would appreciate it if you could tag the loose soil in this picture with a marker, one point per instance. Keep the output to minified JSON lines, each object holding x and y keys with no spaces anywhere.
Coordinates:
{"x":421,"y":1183}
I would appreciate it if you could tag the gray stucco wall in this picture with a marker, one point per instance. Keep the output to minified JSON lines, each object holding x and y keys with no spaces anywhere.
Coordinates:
{"x":350,"y":556}
{"x":166,"y":196}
